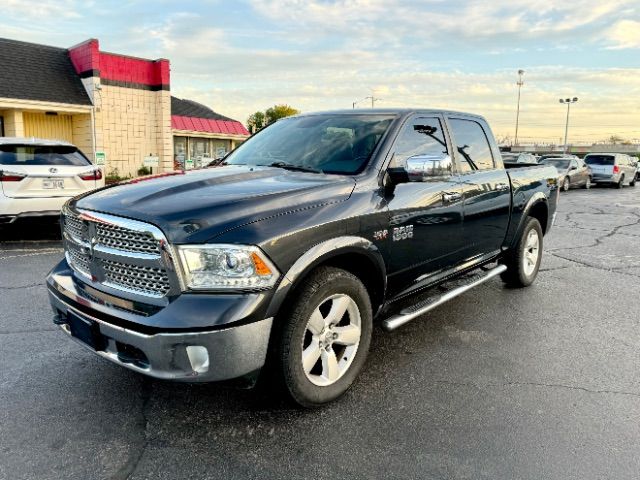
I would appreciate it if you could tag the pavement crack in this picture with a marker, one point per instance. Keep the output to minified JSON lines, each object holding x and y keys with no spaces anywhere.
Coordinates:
{"x":536,"y":384}
{"x":128,"y":470}
{"x":31,"y":285}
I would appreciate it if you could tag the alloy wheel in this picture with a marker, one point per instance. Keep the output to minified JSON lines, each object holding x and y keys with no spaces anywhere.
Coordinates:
{"x":531,"y":252}
{"x":331,"y":339}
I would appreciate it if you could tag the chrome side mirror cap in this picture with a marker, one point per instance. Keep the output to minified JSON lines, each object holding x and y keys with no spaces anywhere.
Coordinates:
{"x":425,"y":168}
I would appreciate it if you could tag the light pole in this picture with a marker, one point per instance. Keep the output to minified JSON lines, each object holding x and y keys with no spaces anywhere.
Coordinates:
{"x":568,"y":101}
{"x":520,"y":82}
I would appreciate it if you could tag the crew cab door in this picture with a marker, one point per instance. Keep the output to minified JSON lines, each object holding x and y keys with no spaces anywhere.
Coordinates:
{"x":486,"y":186}
{"x":425,"y":229}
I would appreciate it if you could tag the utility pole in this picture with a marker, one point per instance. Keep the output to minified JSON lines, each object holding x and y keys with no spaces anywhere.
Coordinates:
{"x":520,"y":82}
{"x":568,"y":101}
{"x":373,"y":100}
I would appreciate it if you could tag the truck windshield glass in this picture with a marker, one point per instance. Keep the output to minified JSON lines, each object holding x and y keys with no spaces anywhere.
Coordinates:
{"x":599,"y":160}
{"x":33,"y":155}
{"x":340,"y":144}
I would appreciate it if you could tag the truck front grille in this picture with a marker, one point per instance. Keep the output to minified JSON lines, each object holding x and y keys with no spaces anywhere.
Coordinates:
{"x":128,"y":240}
{"x":146,"y":280}
{"x":118,"y":253}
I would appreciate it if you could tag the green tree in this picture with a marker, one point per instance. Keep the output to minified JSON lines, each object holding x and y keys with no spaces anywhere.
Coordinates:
{"x":279,"y":111}
{"x":256,"y":121}
{"x":259,"y":120}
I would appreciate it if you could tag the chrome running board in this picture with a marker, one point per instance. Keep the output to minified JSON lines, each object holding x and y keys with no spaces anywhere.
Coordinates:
{"x":415,"y":311}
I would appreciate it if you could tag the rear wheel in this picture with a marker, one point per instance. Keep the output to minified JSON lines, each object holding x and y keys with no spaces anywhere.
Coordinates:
{"x":325,"y":338}
{"x":523,"y":261}
{"x":620,"y":184}
{"x":633,"y":182}
{"x":566,"y":184}
{"x":587,"y":184}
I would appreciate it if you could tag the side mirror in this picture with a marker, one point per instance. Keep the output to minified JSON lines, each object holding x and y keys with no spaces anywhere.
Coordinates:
{"x":424,"y":168}
{"x":573,"y":167}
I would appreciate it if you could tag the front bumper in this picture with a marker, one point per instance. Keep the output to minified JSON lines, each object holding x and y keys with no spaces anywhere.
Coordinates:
{"x":216,"y":354}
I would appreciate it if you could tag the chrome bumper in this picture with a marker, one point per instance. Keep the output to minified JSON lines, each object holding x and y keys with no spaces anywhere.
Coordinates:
{"x":191,"y":357}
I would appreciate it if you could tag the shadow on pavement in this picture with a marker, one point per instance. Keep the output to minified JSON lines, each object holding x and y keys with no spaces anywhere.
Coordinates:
{"x":31,"y":230}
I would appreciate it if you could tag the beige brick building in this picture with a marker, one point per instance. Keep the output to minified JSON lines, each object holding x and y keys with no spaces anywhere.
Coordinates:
{"x":116,"y":106}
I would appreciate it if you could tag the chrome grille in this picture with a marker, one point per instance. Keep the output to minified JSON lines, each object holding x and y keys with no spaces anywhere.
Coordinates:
{"x":76,"y":227}
{"x":79,"y":261}
{"x":124,"y":239}
{"x":119,"y":253}
{"x":147,"y":280}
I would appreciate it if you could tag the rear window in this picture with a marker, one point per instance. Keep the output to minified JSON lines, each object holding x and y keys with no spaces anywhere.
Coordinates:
{"x":558,"y":163}
{"x":599,"y":160}
{"x":26,"y":155}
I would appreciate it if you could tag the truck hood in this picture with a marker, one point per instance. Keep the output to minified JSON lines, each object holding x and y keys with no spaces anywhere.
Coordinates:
{"x":195,"y":207}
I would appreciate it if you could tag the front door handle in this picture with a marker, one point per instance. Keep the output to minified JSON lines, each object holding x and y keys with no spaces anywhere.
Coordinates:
{"x":502,"y":187}
{"x":450,"y":197}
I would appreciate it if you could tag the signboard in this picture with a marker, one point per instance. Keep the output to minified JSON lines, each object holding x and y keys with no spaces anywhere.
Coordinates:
{"x":101,"y":158}
{"x":151,"y":161}
{"x":188,"y":165}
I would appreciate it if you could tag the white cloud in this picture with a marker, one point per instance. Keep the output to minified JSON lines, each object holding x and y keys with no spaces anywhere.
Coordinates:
{"x":624,"y":34}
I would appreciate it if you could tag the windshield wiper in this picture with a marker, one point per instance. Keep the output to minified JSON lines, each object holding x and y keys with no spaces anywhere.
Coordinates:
{"x":291,"y":166}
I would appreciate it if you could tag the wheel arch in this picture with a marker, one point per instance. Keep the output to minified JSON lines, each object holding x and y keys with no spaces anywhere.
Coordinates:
{"x":356,"y":255}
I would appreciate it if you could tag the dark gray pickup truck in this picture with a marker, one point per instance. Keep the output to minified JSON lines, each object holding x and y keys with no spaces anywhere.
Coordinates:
{"x":285,"y":254}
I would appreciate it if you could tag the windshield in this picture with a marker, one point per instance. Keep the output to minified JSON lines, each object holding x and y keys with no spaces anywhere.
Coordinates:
{"x":26,"y":155}
{"x":556,"y":162}
{"x":326,"y":143}
{"x":599,"y":160}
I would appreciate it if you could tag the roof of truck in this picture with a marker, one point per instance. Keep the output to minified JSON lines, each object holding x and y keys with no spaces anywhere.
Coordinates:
{"x":389,"y":111}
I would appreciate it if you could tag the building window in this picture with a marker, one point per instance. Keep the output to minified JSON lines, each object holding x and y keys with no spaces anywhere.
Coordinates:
{"x":179,"y":152}
{"x":1,"y":126}
{"x":199,"y":153}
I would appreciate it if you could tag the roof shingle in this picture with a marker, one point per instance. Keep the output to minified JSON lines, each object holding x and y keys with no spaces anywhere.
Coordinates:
{"x":29,"y":71}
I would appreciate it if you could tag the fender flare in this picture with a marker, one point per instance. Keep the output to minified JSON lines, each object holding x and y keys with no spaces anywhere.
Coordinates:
{"x":536,"y":198}
{"x":319,"y":254}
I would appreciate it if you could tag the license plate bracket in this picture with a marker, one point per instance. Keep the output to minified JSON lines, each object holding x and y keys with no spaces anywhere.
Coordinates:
{"x":87,"y":331}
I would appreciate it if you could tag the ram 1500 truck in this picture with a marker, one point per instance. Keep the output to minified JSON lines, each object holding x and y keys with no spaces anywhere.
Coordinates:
{"x":284,"y":254}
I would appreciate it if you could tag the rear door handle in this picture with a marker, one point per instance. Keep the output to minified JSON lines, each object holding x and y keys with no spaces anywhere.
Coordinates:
{"x":450,"y":197}
{"x":501,"y":187}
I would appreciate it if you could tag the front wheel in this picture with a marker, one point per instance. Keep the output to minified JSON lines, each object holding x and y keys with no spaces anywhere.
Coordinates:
{"x":587,"y":184}
{"x":325,"y":337}
{"x":523,"y":262}
{"x":566,"y":184}
{"x":633,"y":182}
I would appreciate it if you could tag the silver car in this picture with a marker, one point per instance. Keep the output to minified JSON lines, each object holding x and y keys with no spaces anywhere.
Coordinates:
{"x":612,"y":168}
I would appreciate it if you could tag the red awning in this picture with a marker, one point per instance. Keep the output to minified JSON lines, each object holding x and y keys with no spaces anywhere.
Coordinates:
{"x":207,"y":125}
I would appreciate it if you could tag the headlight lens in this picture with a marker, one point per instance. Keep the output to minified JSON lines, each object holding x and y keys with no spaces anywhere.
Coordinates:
{"x":231,"y":267}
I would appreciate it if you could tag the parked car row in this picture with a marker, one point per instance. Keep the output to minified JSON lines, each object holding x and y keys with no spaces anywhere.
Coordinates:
{"x":614,"y":169}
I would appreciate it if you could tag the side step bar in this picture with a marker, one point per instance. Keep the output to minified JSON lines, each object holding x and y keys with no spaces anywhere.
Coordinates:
{"x":412,"y":313}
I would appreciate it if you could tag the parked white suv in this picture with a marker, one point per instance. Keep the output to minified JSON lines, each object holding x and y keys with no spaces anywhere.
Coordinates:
{"x":37,"y":176}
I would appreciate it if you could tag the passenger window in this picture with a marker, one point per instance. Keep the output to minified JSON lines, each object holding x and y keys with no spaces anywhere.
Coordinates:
{"x":574,"y":163}
{"x":422,"y":136}
{"x":470,"y":141}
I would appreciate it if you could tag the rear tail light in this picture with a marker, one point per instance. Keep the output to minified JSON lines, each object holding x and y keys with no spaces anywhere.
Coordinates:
{"x":95,"y":175}
{"x":616,"y":169}
{"x":11,"y":176}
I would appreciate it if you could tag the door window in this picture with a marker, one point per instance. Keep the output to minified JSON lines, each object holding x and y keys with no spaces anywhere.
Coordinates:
{"x":471,"y":144}
{"x":422,"y":136}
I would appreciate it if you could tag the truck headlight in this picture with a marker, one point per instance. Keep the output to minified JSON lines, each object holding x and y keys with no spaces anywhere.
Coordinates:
{"x":228,"y":267}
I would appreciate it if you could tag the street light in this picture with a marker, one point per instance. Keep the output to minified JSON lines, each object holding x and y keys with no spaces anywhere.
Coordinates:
{"x":520,"y":82}
{"x":568,"y":101}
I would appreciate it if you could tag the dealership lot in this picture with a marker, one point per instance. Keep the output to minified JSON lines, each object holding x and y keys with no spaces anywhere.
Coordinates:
{"x":536,"y":383}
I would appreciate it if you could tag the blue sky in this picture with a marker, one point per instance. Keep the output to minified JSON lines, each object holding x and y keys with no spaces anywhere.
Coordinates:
{"x":242,"y":56}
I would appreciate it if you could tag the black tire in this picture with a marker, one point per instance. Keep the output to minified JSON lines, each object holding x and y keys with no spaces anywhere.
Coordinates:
{"x":633,"y":182}
{"x":515,"y":275}
{"x":566,"y":184}
{"x":290,"y":375}
{"x":620,"y":184}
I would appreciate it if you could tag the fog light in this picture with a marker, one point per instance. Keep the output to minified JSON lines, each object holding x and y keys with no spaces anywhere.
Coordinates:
{"x":199,"y":358}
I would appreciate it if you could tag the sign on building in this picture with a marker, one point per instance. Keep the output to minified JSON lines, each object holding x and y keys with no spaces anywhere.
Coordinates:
{"x":101,"y":158}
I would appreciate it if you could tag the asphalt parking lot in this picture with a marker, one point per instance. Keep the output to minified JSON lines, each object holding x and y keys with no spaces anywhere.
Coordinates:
{"x":530,"y":384}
